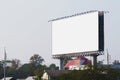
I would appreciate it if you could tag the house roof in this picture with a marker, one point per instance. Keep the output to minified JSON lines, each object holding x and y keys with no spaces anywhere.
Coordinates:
{"x":45,"y":76}
{"x":8,"y":78}
{"x":30,"y":78}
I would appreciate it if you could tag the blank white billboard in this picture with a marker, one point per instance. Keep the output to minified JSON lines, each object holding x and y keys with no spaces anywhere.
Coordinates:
{"x":75,"y":34}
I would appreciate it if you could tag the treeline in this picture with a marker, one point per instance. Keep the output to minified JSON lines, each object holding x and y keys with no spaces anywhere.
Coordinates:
{"x":91,"y":73}
{"x":33,"y":68}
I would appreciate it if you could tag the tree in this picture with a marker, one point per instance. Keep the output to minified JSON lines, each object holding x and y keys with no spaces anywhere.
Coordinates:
{"x":1,"y":69}
{"x":99,"y":73}
{"x":38,"y":73}
{"x":53,"y":67}
{"x":116,"y":62}
{"x":15,"y":63}
{"x":36,"y":60}
{"x":27,"y":69}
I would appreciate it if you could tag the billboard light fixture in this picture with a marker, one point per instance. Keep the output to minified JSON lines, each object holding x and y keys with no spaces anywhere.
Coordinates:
{"x":78,"y":14}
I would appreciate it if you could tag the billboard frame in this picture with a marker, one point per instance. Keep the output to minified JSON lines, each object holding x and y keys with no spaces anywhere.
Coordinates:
{"x":100,"y":34}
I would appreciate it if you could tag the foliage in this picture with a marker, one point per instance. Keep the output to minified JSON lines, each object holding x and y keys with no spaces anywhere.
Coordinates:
{"x":15,"y":63}
{"x":101,"y":73}
{"x":36,"y":60}
{"x":116,"y":62}
{"x":25,"y":70}
{"x":53,"y":67}
{"x":38,"y":73}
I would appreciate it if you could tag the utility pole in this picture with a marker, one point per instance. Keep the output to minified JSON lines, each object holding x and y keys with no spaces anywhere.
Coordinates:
{"x":4,"y":64}
{"x":107,"y":58}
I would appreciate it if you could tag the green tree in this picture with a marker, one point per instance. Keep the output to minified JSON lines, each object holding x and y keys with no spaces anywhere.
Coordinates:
{"x":15,"y":63}
{"x":36,"y":60}
{"x":38,"y":73}
{"x":99,"y":73}
{"x":27,"y":68}
{"x":53,"y":67}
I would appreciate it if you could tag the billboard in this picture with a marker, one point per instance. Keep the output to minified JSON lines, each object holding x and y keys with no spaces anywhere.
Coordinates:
{"x":77,"y":34}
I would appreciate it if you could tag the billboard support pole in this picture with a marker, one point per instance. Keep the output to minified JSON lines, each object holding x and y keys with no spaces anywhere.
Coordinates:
{"x":94,"y":60}
{"x":61,"y":63}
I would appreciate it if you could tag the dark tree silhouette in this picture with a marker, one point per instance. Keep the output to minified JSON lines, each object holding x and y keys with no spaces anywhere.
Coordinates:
{"x":36,"y":60}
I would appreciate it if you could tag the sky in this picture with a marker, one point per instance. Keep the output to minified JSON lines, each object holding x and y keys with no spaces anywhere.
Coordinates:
{"x":25,"y":30}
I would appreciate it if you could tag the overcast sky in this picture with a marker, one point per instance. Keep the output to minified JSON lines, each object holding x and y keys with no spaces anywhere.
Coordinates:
{"x":24,"y":27}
